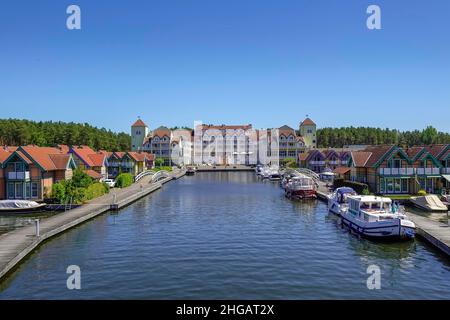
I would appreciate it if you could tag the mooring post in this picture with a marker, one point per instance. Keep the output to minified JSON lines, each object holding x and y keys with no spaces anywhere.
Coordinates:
{"x":37,"y":226}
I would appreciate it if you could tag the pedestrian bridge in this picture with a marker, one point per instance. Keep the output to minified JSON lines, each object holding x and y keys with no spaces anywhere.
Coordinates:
{"x":153,"y":176}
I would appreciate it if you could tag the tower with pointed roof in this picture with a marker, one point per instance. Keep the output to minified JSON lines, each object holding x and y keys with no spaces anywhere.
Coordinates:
{"x":139,"y":131}
{"x":308,"y":132}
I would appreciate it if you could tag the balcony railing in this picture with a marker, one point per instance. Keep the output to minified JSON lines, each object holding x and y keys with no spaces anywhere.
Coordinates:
{"x":396,"y":171}
{"x":335,"y":162}
{"x":24,"y":175}
{"x":446,"y":170}
{"x":317,"y":162}
{"x":423,"y":171}
{"x":127,"y":164}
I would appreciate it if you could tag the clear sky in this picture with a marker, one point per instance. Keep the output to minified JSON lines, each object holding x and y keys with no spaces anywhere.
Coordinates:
{"x":263,"y":62}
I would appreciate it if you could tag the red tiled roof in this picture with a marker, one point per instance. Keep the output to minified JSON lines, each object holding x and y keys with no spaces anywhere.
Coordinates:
{"x":436,"y":149}
{"x":4,"y":154}
{"x":119,"y":154}
{"x":377,"y":152}
{"x":139,"y":123}
{"x":24,"y":157}
{"x":150,"y":156}
{"x":93,"y":174}
{"x":308,"y":122}
{"x":413,"y":151}
{"x":41,"y":155}
{"x":89,"y":156}
{"x":137,"y":156}
{"x":60,"y":160}
{"x":97,"y":159}
{"x":360,"y":158}
{"x":341,"y":170}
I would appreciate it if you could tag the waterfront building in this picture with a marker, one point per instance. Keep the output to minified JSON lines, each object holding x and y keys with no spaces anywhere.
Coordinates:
{"x":319,"y":160}
{"x":308,"y":131}
{"x":5,"y":152}
{"x":222,"y":144}
{"x":290,"y":144}
{"x":390,"y":169}
{"x":94,"y":163}
{"x":139,"y":132}
{"x":29,"y":172}
{"x":129,"y":162}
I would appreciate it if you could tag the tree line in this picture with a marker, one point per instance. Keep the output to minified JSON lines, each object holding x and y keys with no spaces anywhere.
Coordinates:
{"x":340,"y":137}
{"x":15,"y":132}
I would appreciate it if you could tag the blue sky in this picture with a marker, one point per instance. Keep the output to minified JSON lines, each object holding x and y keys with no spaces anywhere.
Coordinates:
{"x":267,"y":63}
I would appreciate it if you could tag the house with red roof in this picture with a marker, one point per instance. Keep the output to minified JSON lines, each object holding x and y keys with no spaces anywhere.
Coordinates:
{"x":29,"y":172}
{"x":129,"y":162}
{"x":390,"y":169}
{"x":94,"y":162}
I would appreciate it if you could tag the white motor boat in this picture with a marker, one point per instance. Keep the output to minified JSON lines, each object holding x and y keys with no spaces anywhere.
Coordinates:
{"x":301,"y":187}
{"x":337,"y":201}
{"x":274,"y":175}
{"x":376,"y":217}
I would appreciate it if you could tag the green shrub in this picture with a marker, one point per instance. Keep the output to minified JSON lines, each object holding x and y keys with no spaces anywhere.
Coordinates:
{"x":422,"y":193}
{"x":159,"y":162}
{"x":59,"y":191}
{"x":124,"y":180}
{"x":365,"y":192}
{"x":167,"y":168}
{"x":81,"y":179}
{"x":95,"y":190}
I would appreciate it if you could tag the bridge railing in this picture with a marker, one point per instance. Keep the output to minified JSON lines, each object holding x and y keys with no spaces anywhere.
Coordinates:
{"x":143,"y":174}
{"x":160,"y":175}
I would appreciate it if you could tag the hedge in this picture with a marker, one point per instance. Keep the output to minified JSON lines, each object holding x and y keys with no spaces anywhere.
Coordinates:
{"x":124,"y":180}
{"x":359,"y":187}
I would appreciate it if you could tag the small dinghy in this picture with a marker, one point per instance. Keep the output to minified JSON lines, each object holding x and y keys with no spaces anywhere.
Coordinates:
{"x":429,"y":202}
{"x":20,"y":206}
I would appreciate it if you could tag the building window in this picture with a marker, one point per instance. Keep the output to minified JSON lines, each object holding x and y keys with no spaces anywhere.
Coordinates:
{"x":11,"y":190}
{"x":34,"y":190}
{"x":27,"y":190}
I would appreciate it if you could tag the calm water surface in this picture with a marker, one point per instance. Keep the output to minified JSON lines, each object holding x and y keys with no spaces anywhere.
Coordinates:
{"x":223,"y":236}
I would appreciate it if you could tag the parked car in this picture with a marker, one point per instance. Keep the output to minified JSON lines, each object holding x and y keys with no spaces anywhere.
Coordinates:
{"x":110,"y":182}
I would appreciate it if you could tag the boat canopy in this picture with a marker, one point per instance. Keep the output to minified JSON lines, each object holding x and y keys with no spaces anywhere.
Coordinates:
{"x":345,"y":190}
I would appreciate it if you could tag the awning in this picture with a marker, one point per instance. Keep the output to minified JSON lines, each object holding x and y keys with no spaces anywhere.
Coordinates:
{"x":446,"y":177}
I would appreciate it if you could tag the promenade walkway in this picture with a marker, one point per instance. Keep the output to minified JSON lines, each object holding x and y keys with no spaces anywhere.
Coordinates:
{"x":17,"y":244}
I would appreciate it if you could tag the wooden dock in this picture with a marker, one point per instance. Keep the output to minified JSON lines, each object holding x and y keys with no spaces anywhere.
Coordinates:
{"x":17,"y":244}
{"x":435,"y":232}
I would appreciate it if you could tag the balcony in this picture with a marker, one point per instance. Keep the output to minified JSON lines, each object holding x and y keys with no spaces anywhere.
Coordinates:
{"x":315,"y":163}
{"x":334,"y":162}
{"x":428,"y":171}
{"x":20,"y":175}
{"x":396,"y":171}
{"x":127,"y":165}
{"x":446,"y":170}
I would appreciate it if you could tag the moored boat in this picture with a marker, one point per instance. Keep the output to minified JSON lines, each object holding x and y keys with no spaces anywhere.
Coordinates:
{"x":301,"y":187}
{"x":190,"y":171}
{"x":429,"y":202}
{"x":20,"y":206}
{"x":376,"y":217}
{"x":337,"y":201}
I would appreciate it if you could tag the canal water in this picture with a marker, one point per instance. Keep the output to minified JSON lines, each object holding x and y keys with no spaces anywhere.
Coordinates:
{"x":225,"y":236}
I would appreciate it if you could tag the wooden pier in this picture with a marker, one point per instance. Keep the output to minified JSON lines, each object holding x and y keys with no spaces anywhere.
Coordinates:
{"x":17,"y":244}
